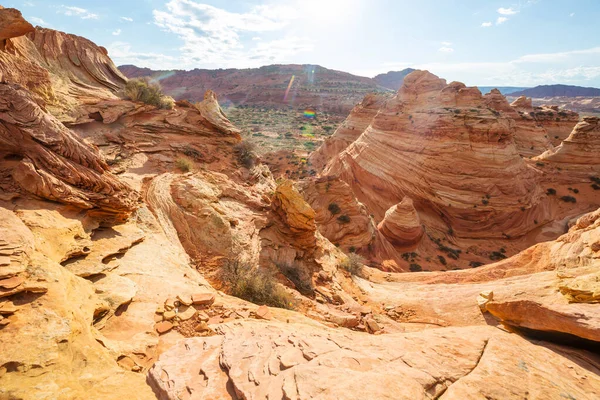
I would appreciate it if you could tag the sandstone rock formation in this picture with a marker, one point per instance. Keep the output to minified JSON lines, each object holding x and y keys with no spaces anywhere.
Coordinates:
{"x":580,"y":148}
{"x":447,"y":133}
{"x":359,"y":119}
{"x":557,"y":122}
{"x":13,"y":24}
{"x":530,"y":137}
{"x":277,"y":361}
{"x":62,"y":71}
{"x":96,"y":307}
{"x":42,"y":157}
{"x":401,"y":224}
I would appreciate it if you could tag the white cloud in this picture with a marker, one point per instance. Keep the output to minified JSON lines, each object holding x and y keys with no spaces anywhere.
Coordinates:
{"x":507,"y":11}
{"x":127,"y":19}
{"x":486,"y":24}
{"x":117,"y":32}
{"x":77,"y":12}
{"x":556,"y":57}
{"x":39,"y":21}
{"x":255,"y":38}
{"x":446,"y":43}
{"x":572,"y":15}
{"x":121,"y":53}
{"x":28,"y":4}
{"x":501,"y":20}
{"x":218,"y":37}
{"x":446,"y":50}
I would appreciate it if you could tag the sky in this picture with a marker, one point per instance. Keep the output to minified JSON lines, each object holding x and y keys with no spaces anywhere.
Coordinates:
{"x":478,"y":42}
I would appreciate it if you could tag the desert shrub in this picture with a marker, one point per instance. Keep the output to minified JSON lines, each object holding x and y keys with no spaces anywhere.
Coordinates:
{"x":184,"y":164}
{"x":245,"y":152}
{"x":334,"y":208}
{"x":142,"y":89}
{"x":497,"y":256}
{"x":595,"y":179}
{"x":595,"y":186}
{"x":569,"y":199}
{"x":344,"y":219}
{"x":301,"y":280}
{"x":485,"y":202}
{"x":475,"y":264}
{"x":255,"y":285}
{"x":551,"y":192}
{"x":442,"y":260}
{"x":353,"y":263}
{"x":415,"y":267}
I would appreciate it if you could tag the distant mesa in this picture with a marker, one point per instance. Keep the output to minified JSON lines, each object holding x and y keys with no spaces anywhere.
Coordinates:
{"x":393,"y":79}
{"x":558,"y":91}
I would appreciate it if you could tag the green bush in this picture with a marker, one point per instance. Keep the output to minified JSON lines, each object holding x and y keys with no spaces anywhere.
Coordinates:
{"x":353,"y":263}
{"x":415,"y":267}
{"x":255,"y":285}
{"x":344,"y":219}
{"x":569,"y":199}
{"x":142,"y":89}
{"x":334,"y":208}
{"x":551,"y":192}
{"x":184,"y":164}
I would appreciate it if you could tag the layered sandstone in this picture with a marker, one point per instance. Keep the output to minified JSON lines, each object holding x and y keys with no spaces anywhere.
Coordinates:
{"x":13,"y":24}
{"x":44,"y":158}
{"x":62,"y":71}
{"x":531,"y":139}
{"x":91,"y":308}
{"x":353,"y":126}
{"x":557,"y":122}
{"x":580,"y":148}
{"x":476,"y":180}
{"x":401,"y":224}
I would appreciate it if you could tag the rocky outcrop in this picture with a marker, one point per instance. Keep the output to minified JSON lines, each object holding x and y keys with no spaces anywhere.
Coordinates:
{"x":353,"y":126}
{"x":475,"y":178}
{"x":531,"y":139}
{"x":401,"y":224}
{"x":40,"y":156}
{"x":295,"y":213}
{"x":63,"y":71}
{"x":580,"y":148}
{"x":12,"y":24}
{"x":558,"y":122}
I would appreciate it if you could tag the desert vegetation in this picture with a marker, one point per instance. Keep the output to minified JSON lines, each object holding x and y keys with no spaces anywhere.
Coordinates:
{"x":146,"y":91}
{"x":254,"y":284}
{"x":353,"y":263}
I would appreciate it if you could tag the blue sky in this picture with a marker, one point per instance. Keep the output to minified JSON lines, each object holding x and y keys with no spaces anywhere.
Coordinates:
{"x":479,"y":42}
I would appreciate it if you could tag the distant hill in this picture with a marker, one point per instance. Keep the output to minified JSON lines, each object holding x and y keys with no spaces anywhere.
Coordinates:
{"x":312,"y":85}
{"x":559,"y":91}
{"x":503,"y":89}
{"x":393,"y":79}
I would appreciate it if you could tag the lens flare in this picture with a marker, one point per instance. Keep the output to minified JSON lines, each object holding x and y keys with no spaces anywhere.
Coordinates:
{"x":287,"y":91}
{"x":310,"y":114}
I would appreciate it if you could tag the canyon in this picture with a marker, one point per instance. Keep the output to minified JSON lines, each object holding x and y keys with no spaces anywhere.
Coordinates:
{"x":447,"y":245}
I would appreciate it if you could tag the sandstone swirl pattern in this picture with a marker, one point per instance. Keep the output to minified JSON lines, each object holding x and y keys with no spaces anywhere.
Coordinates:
{"x":454,"y":157}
